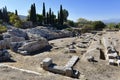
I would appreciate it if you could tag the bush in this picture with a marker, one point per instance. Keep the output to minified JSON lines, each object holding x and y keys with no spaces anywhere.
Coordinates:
{"x":98,"y":25}
{"x":15,"y":20}
{"x":3,"y":29}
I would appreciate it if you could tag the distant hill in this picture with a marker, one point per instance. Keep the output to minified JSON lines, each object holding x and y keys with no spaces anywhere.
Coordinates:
{"x":22,"y":17}
{"x":111,"y":21}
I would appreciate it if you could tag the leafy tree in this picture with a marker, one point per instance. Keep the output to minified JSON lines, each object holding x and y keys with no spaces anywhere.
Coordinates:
{"x":118,"y":25}
{"x":65,"y":14}
{"x":111,"y":25}
{"x":98,"y":25}
{"x":70,"y":23}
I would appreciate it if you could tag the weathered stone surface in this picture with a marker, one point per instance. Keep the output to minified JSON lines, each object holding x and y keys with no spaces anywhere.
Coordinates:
{"x":71,"y":62}
{"x":15,"y":45}
{"x":69,"y":72}
{"x":47,"y":33}
{"x":4,"y":55}
{"x":47,"y":61}
{"x":7,"y":41}
{"x":34,"y":45}
{"x":27,"y":24}
{"x":15,"y":32}
{"x":64,"y":70}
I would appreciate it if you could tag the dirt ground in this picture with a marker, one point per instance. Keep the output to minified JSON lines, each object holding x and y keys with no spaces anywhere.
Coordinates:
{"x":88,"y":71}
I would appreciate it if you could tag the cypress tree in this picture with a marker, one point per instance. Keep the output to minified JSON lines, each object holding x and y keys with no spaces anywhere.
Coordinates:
{"x":50,"y":17}
{"x":47,"y":18}
{"x":44,"y":13}
{"x":31,"y":13}
{"x":16,"y":13}
{"x":5,"y":15}
{"x":1,"y":15}
{"x":61,"y":15}
{"x":58,"y":20}
{"x":34,"y":13}
{"x":33,"y":16}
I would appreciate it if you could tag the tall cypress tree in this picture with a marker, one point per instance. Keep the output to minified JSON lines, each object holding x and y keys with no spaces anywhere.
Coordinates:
{"x":31,"y":13}
{"x":44,"y":13}
{"x":16,"y":13}
{"x":34,"y":13}
{"x":5,"y":15}
{"x":33,"y":16}
{"x":61,"y":15}
{"x":1,"y":15}
{"x":50,"y":20}
{"x":58,"y":20}
{"x":47,"y":18}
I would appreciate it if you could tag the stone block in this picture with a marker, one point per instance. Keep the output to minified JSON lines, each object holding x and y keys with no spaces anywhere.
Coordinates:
{"x":46,"y":62}
{"x":69,"y":72}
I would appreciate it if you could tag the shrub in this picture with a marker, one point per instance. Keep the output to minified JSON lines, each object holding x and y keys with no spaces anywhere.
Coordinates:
{"x":15,"y":20}
{"x":3,"y":29}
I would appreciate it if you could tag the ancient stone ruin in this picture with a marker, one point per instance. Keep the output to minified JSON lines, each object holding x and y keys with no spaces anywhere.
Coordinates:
{"x":67,"y":70}
{"x":111,"y":54}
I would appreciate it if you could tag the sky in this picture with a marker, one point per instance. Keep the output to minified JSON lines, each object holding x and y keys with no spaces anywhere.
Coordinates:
{"x":88,"y":9}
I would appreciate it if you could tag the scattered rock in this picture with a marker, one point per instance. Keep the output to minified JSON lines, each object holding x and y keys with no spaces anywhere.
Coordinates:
{"x":4,"y":55}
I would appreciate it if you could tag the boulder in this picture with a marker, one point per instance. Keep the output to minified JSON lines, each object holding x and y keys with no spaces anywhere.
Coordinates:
{"x":15,"y":32}
{"x":4,"y":55}
{"x":15,"y":45}
{"x":7,"y":41}
{"x":33,"y":45}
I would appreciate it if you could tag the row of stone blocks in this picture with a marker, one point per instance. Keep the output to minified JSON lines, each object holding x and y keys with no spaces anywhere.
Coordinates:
{"x":67,"y":70}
